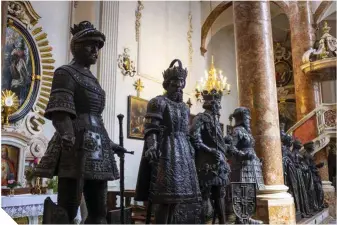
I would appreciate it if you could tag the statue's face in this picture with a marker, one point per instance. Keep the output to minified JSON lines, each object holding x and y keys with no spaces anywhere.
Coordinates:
{"x":86,"y":52}
{"x":175,"y":89}
{"x":4,"y":153}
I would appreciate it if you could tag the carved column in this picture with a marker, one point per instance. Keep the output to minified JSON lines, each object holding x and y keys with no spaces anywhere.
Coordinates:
{"x":329,"y":190}
{"x":108,"y":61}
{"x":4,"y":9}
{"x":302,"y":38}
{"x":257,"y":91}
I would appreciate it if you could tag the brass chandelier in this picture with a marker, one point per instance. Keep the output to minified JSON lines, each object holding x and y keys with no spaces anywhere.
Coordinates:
{"x":214,"y":83}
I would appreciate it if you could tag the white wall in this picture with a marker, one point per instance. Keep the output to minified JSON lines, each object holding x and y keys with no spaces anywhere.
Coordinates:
{"x":222,"y":47}
{"x":55,"y":22}
{"x":163,"y":37}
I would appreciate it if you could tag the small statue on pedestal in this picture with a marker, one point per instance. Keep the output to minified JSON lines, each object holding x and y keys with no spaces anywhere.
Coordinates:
{"x":211,"y":150}
{"x":80,"y":153}
{"x":167,"y":175}
{"x":317,"y":181}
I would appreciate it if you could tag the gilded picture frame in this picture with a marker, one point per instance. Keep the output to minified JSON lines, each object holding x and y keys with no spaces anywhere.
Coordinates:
{"x":28,"y":61}
{"x":137,"y":108}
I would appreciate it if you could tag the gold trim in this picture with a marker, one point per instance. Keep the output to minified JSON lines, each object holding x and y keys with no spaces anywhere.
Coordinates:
{"x":44,"y":101}
{"x":41,"y":120}
{"x":45,"y":94}
{"x":36,"y":31}
{"x":46,"y":49}
{"x":43,"y":43}
{"x":46,"y":55}
{"x":48,"y":73}
{"x":41,"y":37}
{"x":50,"y":79}
{"x":47,"y":60}
{"x":319,"y":65}
{"x":48,"y":67}
{"x":39,"y":104}
{"x":140,"y":7}
{"x":46,"y":89}
{"x":45,"y":84}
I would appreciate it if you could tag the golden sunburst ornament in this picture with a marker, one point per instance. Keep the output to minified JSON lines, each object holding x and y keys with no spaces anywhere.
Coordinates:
{"x":9,"y":104}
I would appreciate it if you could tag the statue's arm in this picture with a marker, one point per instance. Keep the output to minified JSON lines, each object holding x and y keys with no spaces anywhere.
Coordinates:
{"x":153,"y":119}
{"x":231,"y":145}
{"x":61,"y":107}
{"x":196,"y":137}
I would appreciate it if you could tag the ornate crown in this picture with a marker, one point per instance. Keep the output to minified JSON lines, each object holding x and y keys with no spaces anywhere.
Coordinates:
{"x":86,"y":31}
{"x":175,"y":71}
{"x":212,"y":95}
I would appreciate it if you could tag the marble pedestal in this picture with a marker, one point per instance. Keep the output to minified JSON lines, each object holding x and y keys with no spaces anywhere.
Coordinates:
{"x":330,"y":197}
{"x":275,"y":205}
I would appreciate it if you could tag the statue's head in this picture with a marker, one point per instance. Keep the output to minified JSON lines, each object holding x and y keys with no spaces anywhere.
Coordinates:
{"x":4,"y":152}
{"x":174,"y":81}
{"x":241,"y":115}
{"x":212,"y":102}
{"x":287,"y":140}
{"x":86,"y":42}
{"x":309,"y":147}
{"x":297,"y":145}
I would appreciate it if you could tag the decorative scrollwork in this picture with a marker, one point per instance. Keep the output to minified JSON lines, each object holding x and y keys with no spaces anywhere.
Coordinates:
{"x":330,"y":118}
{"x":38,"y":146}
{"x":126,"y":65}
{"x":140,"y":7}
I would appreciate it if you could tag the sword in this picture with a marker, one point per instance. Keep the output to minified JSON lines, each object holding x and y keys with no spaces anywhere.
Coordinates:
{"x":121,"y":161}
{"x":154,"y":176}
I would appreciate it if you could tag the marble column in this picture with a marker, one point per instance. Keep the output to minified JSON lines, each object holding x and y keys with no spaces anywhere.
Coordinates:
{"x":302,"y":39}
{"x":257,"y":91}
{"x":108,"y":62}
{"x":4,"y":10}
{"x":329,"y":190}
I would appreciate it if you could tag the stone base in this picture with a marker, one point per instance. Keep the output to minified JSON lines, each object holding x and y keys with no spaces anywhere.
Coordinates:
{"x":316,"y":219}
{"x":275,"y":205}
{"x":330,"y":197}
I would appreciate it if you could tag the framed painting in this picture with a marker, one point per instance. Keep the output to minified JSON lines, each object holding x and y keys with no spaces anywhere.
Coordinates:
{"x":283,"y":73}
{"x":10,"y":157}
{"x":136,"y":117}
{"x":27,"y":61}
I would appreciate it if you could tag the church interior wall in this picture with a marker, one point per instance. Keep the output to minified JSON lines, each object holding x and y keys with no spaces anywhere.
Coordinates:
{"x":56,"y":24}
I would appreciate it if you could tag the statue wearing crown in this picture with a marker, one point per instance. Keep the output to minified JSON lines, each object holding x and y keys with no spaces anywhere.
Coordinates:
{"x":80,"y":153}
{"x":167,"y":175}
{"x":211,"y":152}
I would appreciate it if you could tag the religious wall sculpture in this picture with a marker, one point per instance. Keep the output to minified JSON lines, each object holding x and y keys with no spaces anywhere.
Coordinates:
{"x":167,"y":175}
{"x":80,"y":153}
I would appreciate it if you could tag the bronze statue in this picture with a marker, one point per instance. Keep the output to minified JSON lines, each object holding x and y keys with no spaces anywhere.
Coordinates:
{"x":167,"y":175}
{"x":80,"y":153}
{"x":302,"y":191}
{"x":318,"y":187}
{"x":210,"y":158}
{"x":289,"y":170}
{"x":247,"y":167}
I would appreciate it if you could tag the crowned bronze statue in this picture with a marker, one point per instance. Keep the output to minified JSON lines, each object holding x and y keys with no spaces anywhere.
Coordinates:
{"x":167,"y":175}
{"x":80,"y":153}
{"x":318,"y":196}
{"x":211,"y":150}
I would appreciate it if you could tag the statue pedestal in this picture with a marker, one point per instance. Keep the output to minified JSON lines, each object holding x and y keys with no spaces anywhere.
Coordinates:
{"x":275,"y":205}
{"x":330,"y":197}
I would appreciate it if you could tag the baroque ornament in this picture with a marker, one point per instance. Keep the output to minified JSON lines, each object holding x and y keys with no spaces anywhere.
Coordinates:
{"x":126,"y":65}
{"x":140,"y":7}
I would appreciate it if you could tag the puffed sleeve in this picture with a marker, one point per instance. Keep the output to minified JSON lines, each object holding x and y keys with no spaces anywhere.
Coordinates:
{"x":154,"y":115}
{"x":62,"y":94}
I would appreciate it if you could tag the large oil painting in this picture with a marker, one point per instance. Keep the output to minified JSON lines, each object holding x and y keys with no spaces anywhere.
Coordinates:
{"x":18,"y":66}
{"x":9,"y":163}
{"x":136,"y":117}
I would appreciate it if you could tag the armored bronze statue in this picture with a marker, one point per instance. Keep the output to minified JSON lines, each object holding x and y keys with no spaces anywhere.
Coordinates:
{"x":247,"y":167}
{"x":318,"y":187}
{"x":80,"y":153}
{"x":210,"y":158}
{"x":289,"y":170}
{"x":302,"y":191}
{"x":167,"y":175}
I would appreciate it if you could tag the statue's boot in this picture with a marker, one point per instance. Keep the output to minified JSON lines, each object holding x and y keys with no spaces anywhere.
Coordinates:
{"x":54,"y":214}
{"x":219,"y":205}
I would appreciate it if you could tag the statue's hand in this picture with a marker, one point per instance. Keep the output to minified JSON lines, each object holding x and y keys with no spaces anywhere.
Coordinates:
{"x":67,"y":142}
{"x":152,"y":153}
{"x":216,"y":153}
{"x":249,"y":156}
{"x":119,"y":150}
